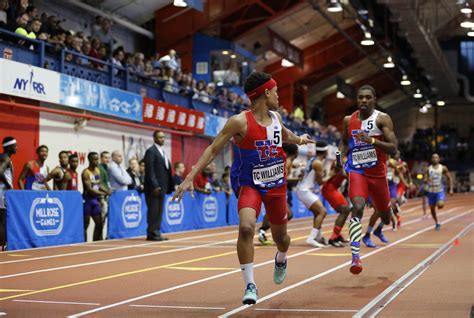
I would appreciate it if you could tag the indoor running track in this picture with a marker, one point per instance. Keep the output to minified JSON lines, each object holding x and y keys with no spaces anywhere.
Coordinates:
{"x":420,"y":273}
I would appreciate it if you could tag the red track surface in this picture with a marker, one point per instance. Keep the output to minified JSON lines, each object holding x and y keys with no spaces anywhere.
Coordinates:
{"x":196,"y":274}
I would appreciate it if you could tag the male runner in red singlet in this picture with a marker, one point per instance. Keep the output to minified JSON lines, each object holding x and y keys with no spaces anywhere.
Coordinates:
{"x":367,"y":138}
{"x":58,"y":174}
{"x":258,"y":173}
{"x":73,"y":183}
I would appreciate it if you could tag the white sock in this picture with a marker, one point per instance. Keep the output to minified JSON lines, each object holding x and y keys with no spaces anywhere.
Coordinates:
{"x":280,"y":257}
{"x":319,"y":235}
{"x":314,"y":233}
{"x":247,"y":272}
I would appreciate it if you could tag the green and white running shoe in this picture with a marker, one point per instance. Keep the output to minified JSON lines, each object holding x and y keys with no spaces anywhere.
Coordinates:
{"x":280,"y":272}
{"x":250,"y":295}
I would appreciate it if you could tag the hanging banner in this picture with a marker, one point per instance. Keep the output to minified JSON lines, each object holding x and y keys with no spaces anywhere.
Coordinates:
{"x":44,"y":218}
{"x":19,"y":79}
{"x":285,"y":49}
{"x":164,"y":114}
{"x":127,"y":214}
{"x":82,"y":94}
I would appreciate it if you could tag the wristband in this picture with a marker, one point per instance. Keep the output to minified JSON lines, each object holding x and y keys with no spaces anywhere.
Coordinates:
{"x":372,"y":141}
{"x":301,"y":140}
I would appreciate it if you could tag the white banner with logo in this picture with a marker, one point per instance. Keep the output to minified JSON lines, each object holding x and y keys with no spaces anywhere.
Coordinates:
{"x":29,"y":81}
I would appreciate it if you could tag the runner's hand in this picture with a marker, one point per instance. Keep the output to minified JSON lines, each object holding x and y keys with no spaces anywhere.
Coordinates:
{"x":306,"y":139}
{"x":186,"y":185}
{"x":364,"y":137}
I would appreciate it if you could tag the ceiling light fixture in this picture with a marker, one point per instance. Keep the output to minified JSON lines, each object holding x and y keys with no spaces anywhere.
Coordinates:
{"x":180,"y":3}
{"x":423,"y":110}
{"x":225,"y":52}
{"x":233,"y":56}
{"x":441,"y":103}
{"x":334,"y":6}
{"x":389,"y":63}
{"x":286,"y":63}
{"x":467,"y":23}
{"x":471,"y":33}
{"x":405,"y":81}
{"x":417,"y":94}
{"x":367,"y":41}
{"x":428,"y":104}
{"x":340,"y":95}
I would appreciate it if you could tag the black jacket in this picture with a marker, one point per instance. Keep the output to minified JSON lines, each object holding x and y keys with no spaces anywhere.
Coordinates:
{"x":156,"y":174}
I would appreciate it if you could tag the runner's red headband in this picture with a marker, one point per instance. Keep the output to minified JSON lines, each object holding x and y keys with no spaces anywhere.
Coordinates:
{"x":255,"y":93}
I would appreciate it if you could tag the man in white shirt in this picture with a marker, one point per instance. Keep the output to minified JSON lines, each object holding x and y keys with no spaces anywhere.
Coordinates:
{"x":118,"y":177}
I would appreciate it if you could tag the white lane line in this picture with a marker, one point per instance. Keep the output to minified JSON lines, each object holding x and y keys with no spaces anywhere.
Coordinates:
{"x":388,"y":295}
{"x":207,"y":279}
{"x":55,"y":302}
{"x":344,"y":265}
{"x":188,"y":238}
{"x":305,"y":310}
{"x":113,"y":260}
{"x":180,"y":307}
{"x":133,"y":256}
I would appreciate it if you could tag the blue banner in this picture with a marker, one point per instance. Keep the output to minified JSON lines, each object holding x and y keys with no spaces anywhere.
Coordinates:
{"x":127,"y":214}
{"x":44,"y":218}
{"x":214,"y":125}
{"x":79,"y":93}
{"x":209,"y":210}
{"x":234,"y":213}
{"x":178,"y":216}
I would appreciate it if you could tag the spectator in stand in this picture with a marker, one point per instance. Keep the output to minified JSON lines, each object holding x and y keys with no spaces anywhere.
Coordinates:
{"x":170,"y":83}
{"x":210,"y":90}
{"x":103,"y":33}
{"x":76,"y":47}
{"x":96,"y":24}
{"x":117,"y":58}
{"x":35,"y":27}
{"x":134,"y":173}
{"x":104,"y":184}
{"x":201,"y":182}
{"x":171,"y":60}
{"x":299,"y":113}
{"x":201,"y":93}
{"x":34,"y":173}
{"x":142,"y":168}
{"x":58,"y":41}
{"x":94,"y":51}
{"x":156,"y":61}
{"x":225,"y":184}
{"x":215,"y":182}
{"x":20,"y":22}
{"x":85,"y":50}
{"x":32,"y":12}
{"x":178,"y":173}
{"x":20,"y":7}
{"x":119,"y":177}
{"x":3,"y":13}
{"x":102,"y":55}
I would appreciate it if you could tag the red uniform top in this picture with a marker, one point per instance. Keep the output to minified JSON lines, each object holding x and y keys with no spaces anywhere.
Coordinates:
{"x":72,"y":184}
{"x":365,"y":158}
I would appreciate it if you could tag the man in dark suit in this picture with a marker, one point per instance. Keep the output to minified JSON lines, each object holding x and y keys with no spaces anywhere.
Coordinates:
{"x":158,"y":182}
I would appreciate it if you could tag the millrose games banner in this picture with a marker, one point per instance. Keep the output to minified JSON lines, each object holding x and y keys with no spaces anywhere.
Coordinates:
{"x":44,"y":218}
{"x":127,"y":214}
{"x":164,"y":114}
{"x":82,"y":94}
{"x":27,"y":81}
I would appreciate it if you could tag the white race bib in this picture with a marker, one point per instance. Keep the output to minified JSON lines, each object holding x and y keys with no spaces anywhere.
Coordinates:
{"x":364,"y":156}
{"x":268,"y":174}
{"x":38,"y":186}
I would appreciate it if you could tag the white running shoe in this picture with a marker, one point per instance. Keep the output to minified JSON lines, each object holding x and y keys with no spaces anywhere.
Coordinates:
{"x":315,"y":243}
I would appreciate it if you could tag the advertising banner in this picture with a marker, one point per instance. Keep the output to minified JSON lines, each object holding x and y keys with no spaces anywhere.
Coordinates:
{"x":164,"y":114}
{"x":82,"y":94}
{"x":23,"y":80}
{"x":127,"y":214}
{"x":44,"y":218}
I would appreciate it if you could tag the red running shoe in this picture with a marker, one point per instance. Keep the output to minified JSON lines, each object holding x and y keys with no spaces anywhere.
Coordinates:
{"x":356,"y":266}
